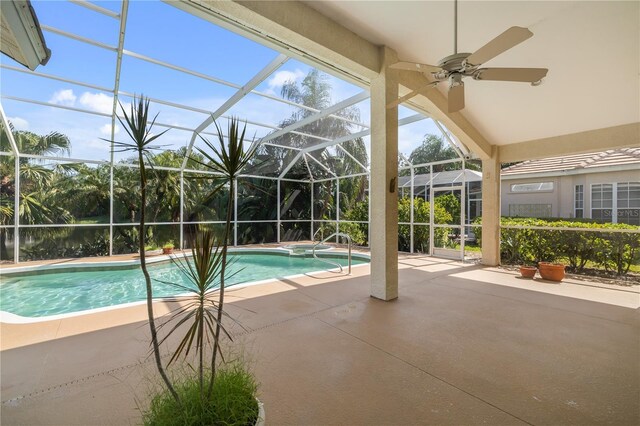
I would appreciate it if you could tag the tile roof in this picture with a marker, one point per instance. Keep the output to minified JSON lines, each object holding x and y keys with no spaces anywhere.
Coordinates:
{"x":614,"y":157}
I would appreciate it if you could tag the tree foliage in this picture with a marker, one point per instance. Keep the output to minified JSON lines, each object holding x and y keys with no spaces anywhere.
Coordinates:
{"x":40,"y":185}
{"x":434,"y":148}
{"x":314,"y":92}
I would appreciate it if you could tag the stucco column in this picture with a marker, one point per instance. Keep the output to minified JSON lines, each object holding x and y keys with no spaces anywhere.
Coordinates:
{"x":491,"y":209}
{"x":384,"y":176}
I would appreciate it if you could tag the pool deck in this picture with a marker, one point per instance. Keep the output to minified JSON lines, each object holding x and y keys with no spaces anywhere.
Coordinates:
{"x":463,"y":344}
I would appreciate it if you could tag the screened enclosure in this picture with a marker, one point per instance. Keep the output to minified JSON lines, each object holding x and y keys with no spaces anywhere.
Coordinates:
{"x":67,"y":191}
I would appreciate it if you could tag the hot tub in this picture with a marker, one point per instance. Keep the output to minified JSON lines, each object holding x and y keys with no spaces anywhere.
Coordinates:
{"x":306,"y":247}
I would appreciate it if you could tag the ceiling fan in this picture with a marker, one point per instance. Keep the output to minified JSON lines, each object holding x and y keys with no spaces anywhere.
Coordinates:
{"x":454,"y":68}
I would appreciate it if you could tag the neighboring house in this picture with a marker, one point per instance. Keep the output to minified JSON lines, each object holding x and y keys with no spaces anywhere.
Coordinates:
{"x":602,"y":185}
{"x":455,"y":178}
{"x":445,"y":182}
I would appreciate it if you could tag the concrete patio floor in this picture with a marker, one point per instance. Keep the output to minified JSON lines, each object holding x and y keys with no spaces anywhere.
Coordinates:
{"x":463,"y":344}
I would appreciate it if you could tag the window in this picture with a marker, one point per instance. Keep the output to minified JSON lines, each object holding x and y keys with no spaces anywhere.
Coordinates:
{"x":602,"y":202}
{"x":532,"y":187}
{"x":628,"y":208}
{"x":616,"y":202}
{"x":578,"y":206}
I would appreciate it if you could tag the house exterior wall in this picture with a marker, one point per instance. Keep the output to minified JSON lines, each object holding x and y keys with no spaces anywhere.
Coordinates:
{"x":535,"y":200}
{"x":562,"y":197}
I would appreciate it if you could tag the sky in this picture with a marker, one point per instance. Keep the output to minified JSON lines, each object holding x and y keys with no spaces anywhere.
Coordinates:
{"x":164,"y":33}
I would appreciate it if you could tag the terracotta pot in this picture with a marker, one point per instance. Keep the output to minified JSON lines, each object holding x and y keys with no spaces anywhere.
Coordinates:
{"x":167,"y":250}
{"x":527,"y":271}
{"x":551,"y":271}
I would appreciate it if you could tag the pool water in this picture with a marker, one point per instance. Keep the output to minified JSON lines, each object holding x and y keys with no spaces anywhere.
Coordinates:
{"x":57,"y":292}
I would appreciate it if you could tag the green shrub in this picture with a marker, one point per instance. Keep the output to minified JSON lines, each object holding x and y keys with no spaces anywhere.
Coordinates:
{"x":617,"y":251}
{"x":232,"y":402}
{"x":421,"y":214}
{"x":359,"y":232}
{"x":450,"y":204}
{"x":578,"y":247}
{"x":356,"y":231}
{"x":360,"y":212}
{"x":612,"y":251}
{"x":323,"y":230}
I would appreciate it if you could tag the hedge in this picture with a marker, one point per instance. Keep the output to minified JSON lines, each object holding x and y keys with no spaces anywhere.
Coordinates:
{"x":612,"y":251}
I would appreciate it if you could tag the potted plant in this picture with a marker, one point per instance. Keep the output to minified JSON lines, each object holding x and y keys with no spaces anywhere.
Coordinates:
{"x":527,"y":271}
{"x":551,"y":271}
{"x":221,"y":392}
{"x":168,"y":247}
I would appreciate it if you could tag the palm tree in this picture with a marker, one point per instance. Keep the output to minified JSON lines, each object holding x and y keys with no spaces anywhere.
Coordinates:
{"x":165,"y":202}
{"x":86,"y":190}
{"x":126,"y":194}
{"x":314,"y":92}
{"x":37,"y":201}
{"x":54,"y":143}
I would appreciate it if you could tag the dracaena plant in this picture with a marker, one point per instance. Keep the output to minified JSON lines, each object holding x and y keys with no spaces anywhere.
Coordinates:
{"x":138,"y":126}
{"x":199,"y":310}
{"x":227,"y":159}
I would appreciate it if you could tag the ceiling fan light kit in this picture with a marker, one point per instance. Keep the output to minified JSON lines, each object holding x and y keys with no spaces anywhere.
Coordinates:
{"x":454,"y":68}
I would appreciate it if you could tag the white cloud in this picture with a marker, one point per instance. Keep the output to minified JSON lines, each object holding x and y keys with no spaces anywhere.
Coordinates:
{"x":106,"y":130}
{"x":97,"y":102}
{"x":82,"y":130}
{"x":19,"y":123}
{"x":64,"y":97}
{"x":281,"y":77}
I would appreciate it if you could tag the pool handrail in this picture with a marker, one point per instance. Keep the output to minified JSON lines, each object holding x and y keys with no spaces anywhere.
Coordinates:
{"x":335,"y":234}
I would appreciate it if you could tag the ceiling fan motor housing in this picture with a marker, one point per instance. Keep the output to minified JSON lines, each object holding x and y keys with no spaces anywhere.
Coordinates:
{"x":455,"y":64}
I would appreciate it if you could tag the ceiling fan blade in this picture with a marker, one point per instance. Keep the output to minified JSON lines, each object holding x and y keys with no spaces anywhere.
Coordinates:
{"x":505,"y":41}
{"x":420,"y":91}
{"x":456,"y":98}
{"x":412,"y":66}
{"x":530,"y":75}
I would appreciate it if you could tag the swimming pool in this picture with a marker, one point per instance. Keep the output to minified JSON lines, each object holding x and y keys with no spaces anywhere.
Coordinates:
{"x":45,"y":292}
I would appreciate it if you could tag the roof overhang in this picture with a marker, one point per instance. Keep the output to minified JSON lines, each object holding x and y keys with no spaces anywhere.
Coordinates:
{"x":591,"y":170}
{"x":624,"y":136}
{"x":22,"y":38}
